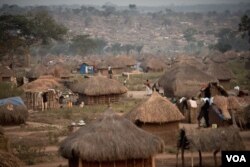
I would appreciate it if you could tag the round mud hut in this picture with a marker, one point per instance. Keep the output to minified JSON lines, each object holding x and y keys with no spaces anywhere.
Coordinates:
{"x":153,"y":65}
{"x":184,"y":81}
{"x":13,"y":111}
{"x":99,"y":90}
{"x":158,"y":116}
{"x":110,"y":141}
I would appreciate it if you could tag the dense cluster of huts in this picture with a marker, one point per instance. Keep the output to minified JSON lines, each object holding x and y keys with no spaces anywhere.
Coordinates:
{"x":134,"y":138}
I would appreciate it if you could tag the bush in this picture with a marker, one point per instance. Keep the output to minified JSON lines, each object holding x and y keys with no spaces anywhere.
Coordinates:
{"x":9,"y":90}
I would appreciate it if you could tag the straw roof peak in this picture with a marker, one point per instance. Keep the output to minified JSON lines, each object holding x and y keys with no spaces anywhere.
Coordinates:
{"x":156,"y":109}
{"x":99,"y":85}
{"x":110,"y":138}
{"x":184,"y":80}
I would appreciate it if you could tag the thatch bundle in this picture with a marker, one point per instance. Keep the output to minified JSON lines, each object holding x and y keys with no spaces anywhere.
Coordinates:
{"x":222,"y":103}
{"x":98,"y":85}
{"x":9,"y":160}
{"x":184,"y":81}
{"x":210,"y":139}
{"x":43,"y":83}
{"x":11,"y":114}
{"x":110,"y":138}
{"x":156,"y":109}
{"x":219,"y":71}
{"x":233,"y":103}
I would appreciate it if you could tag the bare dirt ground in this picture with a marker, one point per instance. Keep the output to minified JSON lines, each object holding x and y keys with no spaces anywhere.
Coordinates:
{"x":137,"y":94}
{"x":40,"y":130}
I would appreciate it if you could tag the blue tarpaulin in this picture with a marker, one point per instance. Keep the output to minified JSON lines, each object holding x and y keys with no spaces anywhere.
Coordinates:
{"x":12,"y":100}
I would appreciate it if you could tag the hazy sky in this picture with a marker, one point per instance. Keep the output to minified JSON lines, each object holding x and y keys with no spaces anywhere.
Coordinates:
{"x":118,"y":2}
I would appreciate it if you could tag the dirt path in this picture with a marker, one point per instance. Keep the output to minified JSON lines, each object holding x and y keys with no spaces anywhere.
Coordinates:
{"x":51,"y":164}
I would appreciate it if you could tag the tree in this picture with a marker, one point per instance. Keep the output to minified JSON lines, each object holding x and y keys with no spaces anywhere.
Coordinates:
{"x":132,"y":6}
{"x":108,"y":10}
{"x":244,"y":27}
{"x":83,"y":44}
{"x":229,"y":39}
{"x":189,"y":34}
{"x":23,"y":31}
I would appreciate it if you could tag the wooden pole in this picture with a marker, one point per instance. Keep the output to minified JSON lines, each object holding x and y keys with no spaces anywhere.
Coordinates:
{"x":200,"y":158}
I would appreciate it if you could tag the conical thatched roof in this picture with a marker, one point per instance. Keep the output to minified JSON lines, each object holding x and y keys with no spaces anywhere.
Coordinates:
{"x":189,"y":60}
{"x":155,"y":64}
{"x":59,"y":70}
{"x":13,"y":111}
{"x":110,"y":138}
{"x":9,"y":160}
{"x":210,"y":139}
{"x":43,"y":83}
{"x":37,"y":71}
{"x":184,"y":81}
{"x":219,"y":71}
{"x":156,"y":109}
{"x":98,"y":85}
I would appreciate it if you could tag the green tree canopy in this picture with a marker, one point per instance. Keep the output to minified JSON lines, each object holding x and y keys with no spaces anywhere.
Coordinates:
{"x":23,"y":31}
{"x":244,"y":26}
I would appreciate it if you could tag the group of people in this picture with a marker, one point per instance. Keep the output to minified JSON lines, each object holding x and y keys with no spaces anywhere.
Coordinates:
{"x":155,"y":87}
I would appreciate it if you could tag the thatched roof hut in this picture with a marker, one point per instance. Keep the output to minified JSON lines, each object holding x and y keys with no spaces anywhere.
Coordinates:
{"x":189,"y":60}
{"x":33,"y":90}
{"x":153,"y":64}
{"x":220,"y":72}
{"x":36,"y":71}
{"x":99,"y":89}
{"x":184,"y":81}
{"x":110,"y":140}
{"x":156,"y":109}
{"x":158,"y":116}
{"x":13,"y":111}
{"x":59,"y":71}
{"x":210,"y":139}
{"x":43,"y":83}
{"x":9,"y":160}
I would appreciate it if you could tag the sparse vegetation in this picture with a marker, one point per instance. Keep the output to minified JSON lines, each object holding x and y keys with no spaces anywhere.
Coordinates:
{"x":9,"y":90}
